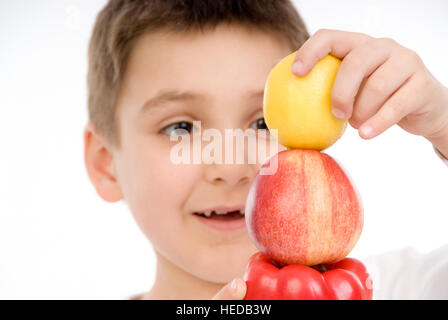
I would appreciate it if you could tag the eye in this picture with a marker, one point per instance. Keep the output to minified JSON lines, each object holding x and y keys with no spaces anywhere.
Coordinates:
{"x":179,"y":128}
{"x":259,"y":124}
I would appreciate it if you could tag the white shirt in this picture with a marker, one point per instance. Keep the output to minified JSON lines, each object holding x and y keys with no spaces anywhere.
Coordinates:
{"x":408,"y":274}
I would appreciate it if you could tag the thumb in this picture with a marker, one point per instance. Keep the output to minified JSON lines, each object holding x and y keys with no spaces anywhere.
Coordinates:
{"x":234,"y":290}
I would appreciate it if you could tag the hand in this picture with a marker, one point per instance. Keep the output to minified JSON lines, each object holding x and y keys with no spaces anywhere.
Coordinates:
{"x":234,"y":290}
{"x":380,"y":83}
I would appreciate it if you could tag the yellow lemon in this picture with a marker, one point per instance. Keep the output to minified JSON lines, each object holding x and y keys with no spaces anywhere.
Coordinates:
{"x":300,"y":107}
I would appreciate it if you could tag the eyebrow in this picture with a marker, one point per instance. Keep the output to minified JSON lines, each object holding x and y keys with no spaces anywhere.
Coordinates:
{"x":257,"y":94}
{"x":164,"y":97}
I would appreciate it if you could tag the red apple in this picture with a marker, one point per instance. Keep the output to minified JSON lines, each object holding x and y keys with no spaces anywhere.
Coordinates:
{"x":308,"y":212}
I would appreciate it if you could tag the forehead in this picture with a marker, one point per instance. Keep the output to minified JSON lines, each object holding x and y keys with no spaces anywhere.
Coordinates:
{"x":224,"y":62}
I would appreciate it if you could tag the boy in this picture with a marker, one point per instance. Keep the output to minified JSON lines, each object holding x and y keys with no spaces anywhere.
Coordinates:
{"x":156,"y":66}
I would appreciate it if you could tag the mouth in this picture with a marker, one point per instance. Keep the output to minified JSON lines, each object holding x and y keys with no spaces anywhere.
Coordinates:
{"x":222,"y":218}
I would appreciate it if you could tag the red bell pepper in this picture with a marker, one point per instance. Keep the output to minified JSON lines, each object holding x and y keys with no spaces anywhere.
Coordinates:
{"x":345,"y":280}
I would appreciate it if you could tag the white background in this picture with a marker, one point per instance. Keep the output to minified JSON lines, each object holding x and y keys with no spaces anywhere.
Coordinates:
{"x":58,"y":239}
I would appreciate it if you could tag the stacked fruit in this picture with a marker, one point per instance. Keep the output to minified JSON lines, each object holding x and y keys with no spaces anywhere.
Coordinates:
{"x":307,"y":216}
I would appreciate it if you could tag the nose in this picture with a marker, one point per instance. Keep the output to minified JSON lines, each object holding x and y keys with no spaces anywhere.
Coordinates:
{"x":229,"y":174}
{"x":234,"y":163}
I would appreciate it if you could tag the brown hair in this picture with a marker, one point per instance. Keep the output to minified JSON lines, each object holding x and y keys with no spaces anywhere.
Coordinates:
{"x":121,"y":22}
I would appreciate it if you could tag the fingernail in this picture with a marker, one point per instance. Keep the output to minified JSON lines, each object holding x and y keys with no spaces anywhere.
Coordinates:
{"x":338,"y":113}
{"x":234,"y":286}
{"x":296,"y":67}
{"x":366,"y":131}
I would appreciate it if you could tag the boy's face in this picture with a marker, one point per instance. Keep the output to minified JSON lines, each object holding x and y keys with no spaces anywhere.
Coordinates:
{"x":216,"y":77}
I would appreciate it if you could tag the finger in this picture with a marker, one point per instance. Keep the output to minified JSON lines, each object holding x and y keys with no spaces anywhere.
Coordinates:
{"x":323,"y":42}
{"x":234,"y":290}
{"x":379,"y":87}
{"x":396,"y":108}
{"x":359,"y":64}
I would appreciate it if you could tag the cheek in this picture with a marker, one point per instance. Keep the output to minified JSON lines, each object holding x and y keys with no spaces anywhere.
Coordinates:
{"x":155,"y":189}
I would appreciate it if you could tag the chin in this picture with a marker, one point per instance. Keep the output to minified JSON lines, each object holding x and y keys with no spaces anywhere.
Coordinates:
{"x":223,"y":264}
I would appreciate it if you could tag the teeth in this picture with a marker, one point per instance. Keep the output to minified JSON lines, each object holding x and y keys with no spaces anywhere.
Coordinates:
{"x":207,"y":213}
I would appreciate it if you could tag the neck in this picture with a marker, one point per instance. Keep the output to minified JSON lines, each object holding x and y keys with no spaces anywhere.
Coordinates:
{"x":173,"y":283}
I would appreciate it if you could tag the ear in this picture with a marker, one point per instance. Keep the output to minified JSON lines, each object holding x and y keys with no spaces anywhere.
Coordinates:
{"x":99,"y":163}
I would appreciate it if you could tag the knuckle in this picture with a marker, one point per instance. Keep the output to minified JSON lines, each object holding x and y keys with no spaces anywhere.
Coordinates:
{"x":339,"y":100}
{"x":356,"y":61}
{"x":412,"y":57}
{"x":387,"y":42}
{"x":391,"y":113}
{"x":377,"y":86}
{"x":315,"y":56}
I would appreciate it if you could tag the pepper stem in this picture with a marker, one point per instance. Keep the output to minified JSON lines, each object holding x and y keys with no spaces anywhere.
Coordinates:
{"x":322,"y":268}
